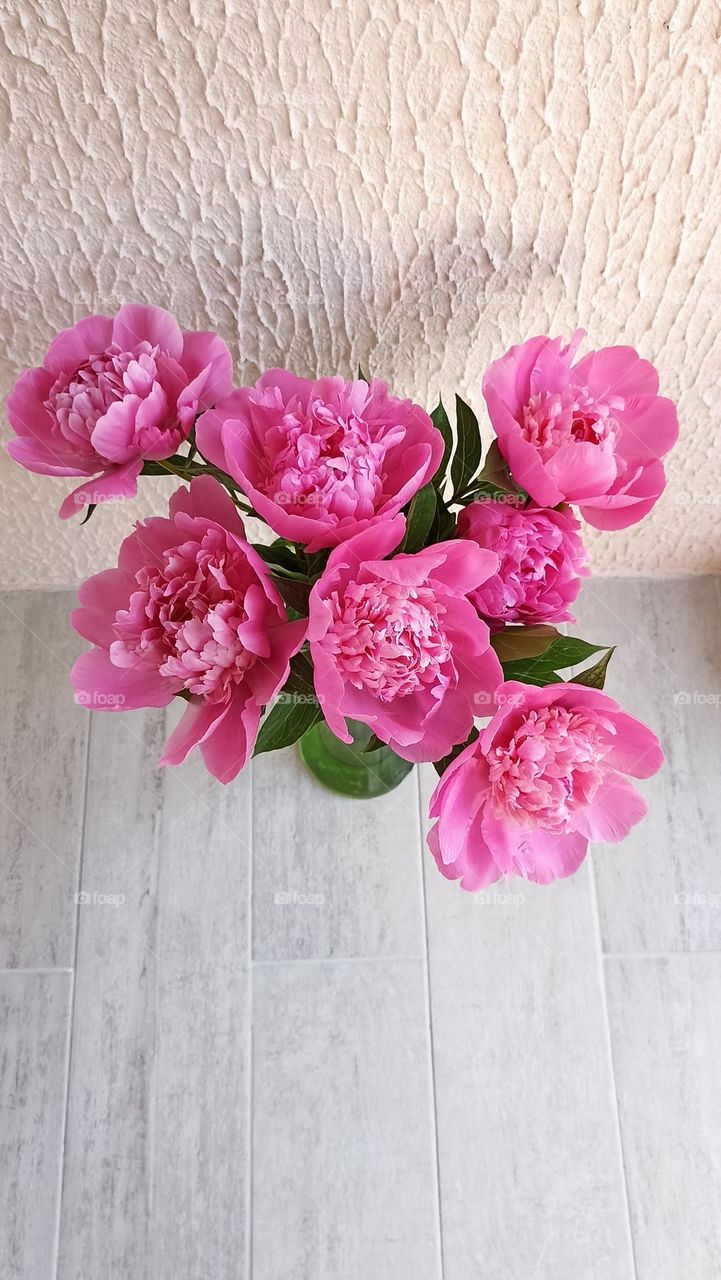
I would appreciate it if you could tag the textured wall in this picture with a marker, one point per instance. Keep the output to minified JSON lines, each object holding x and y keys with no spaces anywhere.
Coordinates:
{"x":411,"y":184}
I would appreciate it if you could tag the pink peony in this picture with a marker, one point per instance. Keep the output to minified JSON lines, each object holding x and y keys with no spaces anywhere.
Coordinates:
{"x":110,"y":393}
{"x":321,"y":460}
{"x":190,"y":609}
{"x":591,"y":433}
{"x":541,"y":561}
{"x":396,"y":643}
{"x":545,"y":777}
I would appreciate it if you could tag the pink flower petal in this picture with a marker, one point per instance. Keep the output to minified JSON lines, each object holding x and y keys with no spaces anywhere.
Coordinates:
{"x":116,"y":483}
{"x":136,"y":323}
{"x":101,"y":686}
{"x":89,"y":337}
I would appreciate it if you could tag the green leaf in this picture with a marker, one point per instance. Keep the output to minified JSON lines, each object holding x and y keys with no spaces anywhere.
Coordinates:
{"x":88,"y":513}
{"x":565,"y":651}
{"x":419,"y":519}
{"x":295,"y":594}
{"x":443,"y":525}
{"x":595,"y":677}
{"x":515,"y":643}
{"x":440,"y":420}
{"x":496,"y":472}
{"x":300,"y":679}
{"x":467,"y":457}
{"x":362,"y":377}
{"x":282,"y":559}
{"x":440,"y":766}
{"x":374,"y":743}
{"x":286,"y":722}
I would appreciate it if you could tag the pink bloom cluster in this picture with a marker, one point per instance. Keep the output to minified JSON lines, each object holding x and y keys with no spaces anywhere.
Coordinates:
{"x":592,"y":433}
{"x":189,"y":610}
{"x":397,"y":645}
{"x":321,"y":460}
{"x":541,"y":561}
{"x":399,"y":640}
{"x":111,"y":393}
{"x":546,"y":775}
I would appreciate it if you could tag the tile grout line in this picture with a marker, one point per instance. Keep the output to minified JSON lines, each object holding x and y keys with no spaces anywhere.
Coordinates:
{"x":685,"y":953}
{"x":429,"y":1019}
{"x":26,"y":972}
{"x":611,"y":1065}
{"x":377,"y":959}
{"x":249,"y":1039}
{"x":71,"y":1017}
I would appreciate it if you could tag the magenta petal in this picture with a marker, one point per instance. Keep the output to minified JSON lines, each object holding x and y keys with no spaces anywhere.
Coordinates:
{"x":136,"y":323}
{"x":26,"y":404}
{"x":582,"y":470}
{"x":617,"y":371}
{"x":617,"y":806}
{"x":329,"y":692}
{"x":101,"y":686}
{"x":556,"y":857}
{"x":527,"y":468}
{"x":198,"y":720}
{"x":508,"y":380}
{"x":47,"y":460}
{"x":206,"y":353}
{"x":100,"y":598}
{"x":651,"y":428}
{"x":620,"y":510}
{"x":89,"y":337}
{"x":206,"y":498}
{"x":228,"y":748}
{"x":118,"y":482}
{"x":114,"y":434}
{"x":636,"y":749}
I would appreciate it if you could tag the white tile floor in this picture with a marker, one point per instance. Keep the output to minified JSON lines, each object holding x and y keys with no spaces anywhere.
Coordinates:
{"x":252,"y":1032}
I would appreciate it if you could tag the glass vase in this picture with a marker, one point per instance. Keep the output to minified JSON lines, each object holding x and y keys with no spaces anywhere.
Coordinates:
{"x":349,"y":769}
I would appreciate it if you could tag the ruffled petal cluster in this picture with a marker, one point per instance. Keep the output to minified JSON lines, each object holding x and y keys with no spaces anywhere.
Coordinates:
{"x":541,"y":561}
{"x":591,"y":433}
{"x":110,"y":393}
{"x":397,"y":644}
{"x":189,"y":610}
{"x":320,"y":461}
{"x":546,"y":775}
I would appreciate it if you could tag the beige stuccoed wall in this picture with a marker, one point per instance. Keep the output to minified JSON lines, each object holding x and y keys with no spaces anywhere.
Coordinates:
{"x":413,"y":185}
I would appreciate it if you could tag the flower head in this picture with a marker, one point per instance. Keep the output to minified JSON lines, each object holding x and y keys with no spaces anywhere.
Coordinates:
{"x":190,"y":609}
{"x":592,"y":433}
{"x":396,"y":643}
{"x":110,"y":393}
{"x":321,"y":460}
{"x":545,"y":776}
{"x":541,"y":561}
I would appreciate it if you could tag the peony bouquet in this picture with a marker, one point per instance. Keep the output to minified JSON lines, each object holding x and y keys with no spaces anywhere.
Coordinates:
{"x":411,"y":587}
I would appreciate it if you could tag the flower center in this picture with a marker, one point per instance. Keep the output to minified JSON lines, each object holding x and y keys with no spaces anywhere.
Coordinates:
{"x":319,"y":457}
{"x":78,"y":400}
{"x":554,"y":418}
{"x":388,"y":638}
{"x":186,"y":618}
{"x":552,"y":766}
